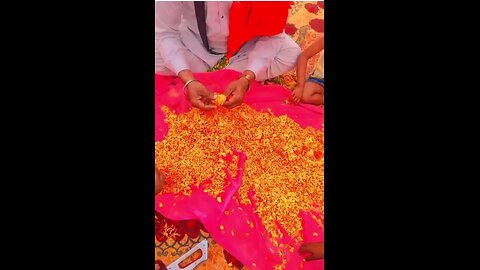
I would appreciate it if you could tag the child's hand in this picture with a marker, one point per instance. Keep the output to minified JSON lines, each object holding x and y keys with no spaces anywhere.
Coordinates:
{"x":314,"y":251}
{"x":297,"y":94}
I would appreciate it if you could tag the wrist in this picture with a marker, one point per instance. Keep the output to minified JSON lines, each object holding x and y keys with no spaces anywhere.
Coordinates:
{"x":186,"y":75}
{"x":188,"y":85}
{"x":249,"y":77}
{"x":245,"y":81}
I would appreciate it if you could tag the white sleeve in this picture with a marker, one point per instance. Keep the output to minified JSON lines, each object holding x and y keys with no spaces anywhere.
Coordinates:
{"x":263,"y":53}
{"x":167,"y":35}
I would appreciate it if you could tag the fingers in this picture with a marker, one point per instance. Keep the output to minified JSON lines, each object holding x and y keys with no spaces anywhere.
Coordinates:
{"x":234,"y":94}
{"x":205,"y":95}
{"x":311,"y":251}
{"x":201,"y":98}
{"x":297,"y":99}
{"x":229,"y":91}
{"x":206,"y":101}
{"x":230,"y":94}
{"x":306,"y":252}
{"x":309,"y":258}
{"x":294,"y":98}
{"x":209,"y":107}
{"x":208,"y":95}
{"x":233,"y":102}
{"x":198,"y":103}
{"x":304,"y":248}
{"x":229,"y":103}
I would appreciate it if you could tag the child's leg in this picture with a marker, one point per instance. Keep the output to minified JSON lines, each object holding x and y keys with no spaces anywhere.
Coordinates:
{"x":313,"y":93}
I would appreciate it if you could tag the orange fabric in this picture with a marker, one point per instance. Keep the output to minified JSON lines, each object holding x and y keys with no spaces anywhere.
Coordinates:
{"x":255,"y":19}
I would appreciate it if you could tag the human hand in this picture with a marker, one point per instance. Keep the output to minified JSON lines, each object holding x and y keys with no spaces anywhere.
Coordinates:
{"x":199,"y":96}
{"x":159,"y":181}
{"x":235,"y":93}
{"x":297,"y":94}
{"x":314,"y":251}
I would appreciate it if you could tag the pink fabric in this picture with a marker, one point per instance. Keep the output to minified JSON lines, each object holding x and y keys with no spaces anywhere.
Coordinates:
{"x":254,"y":249}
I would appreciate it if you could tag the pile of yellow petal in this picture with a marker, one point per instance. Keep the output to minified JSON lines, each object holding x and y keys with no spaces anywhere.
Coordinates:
{"x":219,"y":99}
{"x":284,"y":161}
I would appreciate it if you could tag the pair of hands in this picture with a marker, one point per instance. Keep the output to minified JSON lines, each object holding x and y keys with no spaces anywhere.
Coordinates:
{"x":202,"y":98}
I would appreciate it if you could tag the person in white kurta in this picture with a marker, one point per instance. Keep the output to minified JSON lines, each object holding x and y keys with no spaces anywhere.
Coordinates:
{"x":179,"y":50}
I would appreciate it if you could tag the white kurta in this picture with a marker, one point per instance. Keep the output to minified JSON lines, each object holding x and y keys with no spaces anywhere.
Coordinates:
{"x":178,"y":44}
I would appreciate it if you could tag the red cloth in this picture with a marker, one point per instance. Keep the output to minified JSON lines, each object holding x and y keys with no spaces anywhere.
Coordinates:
{"x":200,"y":205}
{"x":255,"y":19}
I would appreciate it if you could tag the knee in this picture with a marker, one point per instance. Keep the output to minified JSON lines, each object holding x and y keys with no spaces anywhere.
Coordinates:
{"x":284,"y":61}
{"x":289,"y":55}
{"x":315,"y":99}
{"x":296,"y":51}
{"x":306,"y":97}
{"x":291,"y":50}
